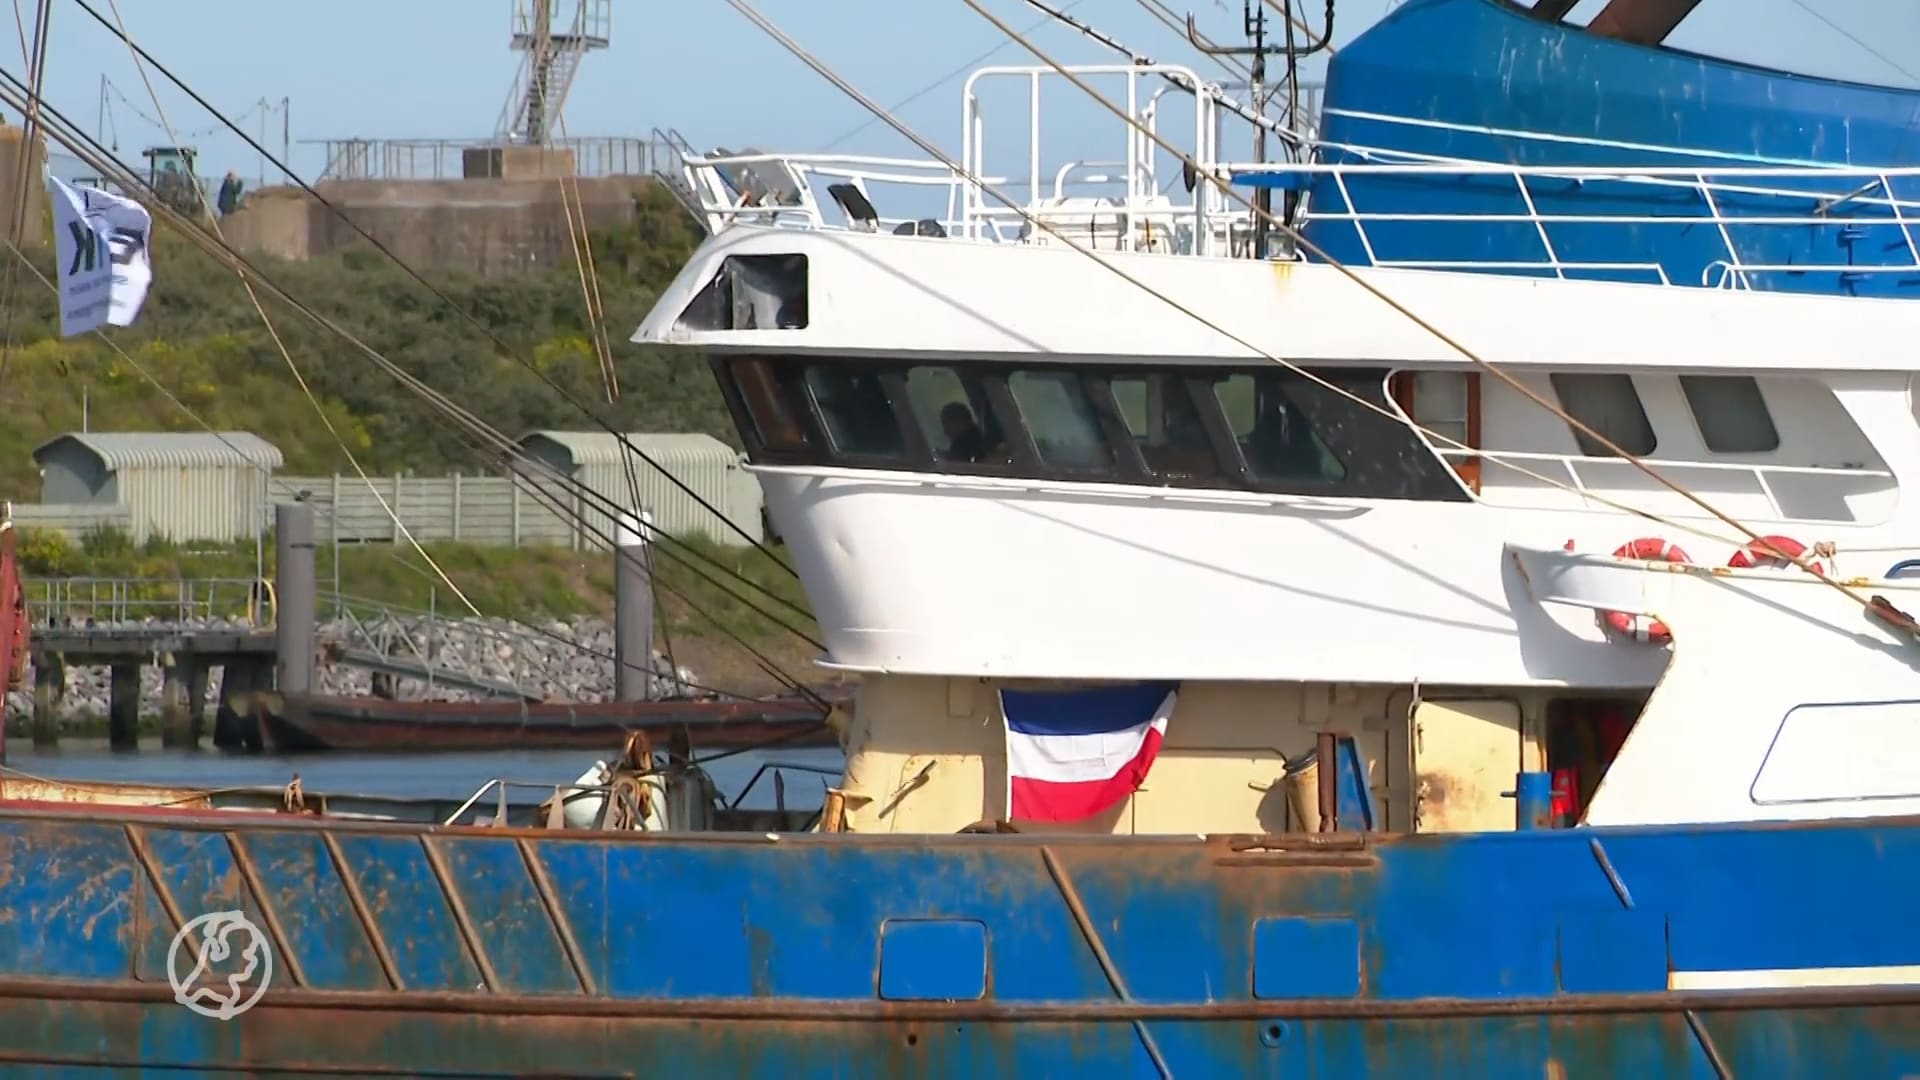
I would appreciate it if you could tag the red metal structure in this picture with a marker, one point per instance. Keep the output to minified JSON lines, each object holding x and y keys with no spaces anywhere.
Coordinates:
{"x":13,"y":623}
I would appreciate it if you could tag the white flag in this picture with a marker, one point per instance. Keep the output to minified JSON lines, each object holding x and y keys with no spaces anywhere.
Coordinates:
{"x":100,"y":246}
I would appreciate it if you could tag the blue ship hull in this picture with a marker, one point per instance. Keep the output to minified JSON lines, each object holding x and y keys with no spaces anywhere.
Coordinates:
{"x":1482,"y":81}
{"x":494,"y":952}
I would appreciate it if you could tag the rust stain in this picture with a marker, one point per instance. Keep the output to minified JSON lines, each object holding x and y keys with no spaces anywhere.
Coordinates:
{"x":1668,"y":1003}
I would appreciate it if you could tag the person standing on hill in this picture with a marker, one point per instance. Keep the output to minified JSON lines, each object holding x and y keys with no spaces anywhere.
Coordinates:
{"x":229,"y":198}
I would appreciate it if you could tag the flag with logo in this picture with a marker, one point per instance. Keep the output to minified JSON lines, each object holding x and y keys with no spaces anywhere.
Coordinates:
{"x":103,"y":263}
{"x":1074,"y":753}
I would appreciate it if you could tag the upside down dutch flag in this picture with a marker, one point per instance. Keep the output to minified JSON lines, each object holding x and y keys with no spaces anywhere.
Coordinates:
{"x":1074,"y":753}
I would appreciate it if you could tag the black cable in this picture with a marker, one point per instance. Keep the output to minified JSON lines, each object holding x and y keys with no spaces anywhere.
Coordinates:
{"x":37,"y":72}
{"x":505,"y":349}
{"x":82,"y":145}
{"x":606,"y":504}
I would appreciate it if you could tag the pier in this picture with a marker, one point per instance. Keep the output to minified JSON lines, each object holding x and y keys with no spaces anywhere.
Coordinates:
{"x":186,"y":656}
{"x":277,"y":681}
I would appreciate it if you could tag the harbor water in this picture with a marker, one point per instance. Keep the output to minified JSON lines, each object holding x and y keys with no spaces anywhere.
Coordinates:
{"x":414,"y":776}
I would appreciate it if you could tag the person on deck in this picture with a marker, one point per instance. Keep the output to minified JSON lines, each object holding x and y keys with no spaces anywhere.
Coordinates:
{"x":229,"y":198}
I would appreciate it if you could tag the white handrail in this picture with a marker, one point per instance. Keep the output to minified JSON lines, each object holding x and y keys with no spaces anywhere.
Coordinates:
{"x":1709,"y":192}
{"x":1573,"y":463}
{"x":1664,"y":463}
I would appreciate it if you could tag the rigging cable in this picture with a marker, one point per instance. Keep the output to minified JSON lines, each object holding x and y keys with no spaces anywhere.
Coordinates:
{"x":36,"y":62}
{"x":212,"y":220}
{"x":1381,"y":295}
{"x":597,"y":321}
{"x":465,"y":316}
{"x":582,"y":242}
{"x":1857,"y":40}
{"x":1498,"y":373}
{"x":941,"y":81}
{"x":139,"y":53}
{"x":145,"y":373}
{"x":767,"y":26}
{"x":85,"y":147}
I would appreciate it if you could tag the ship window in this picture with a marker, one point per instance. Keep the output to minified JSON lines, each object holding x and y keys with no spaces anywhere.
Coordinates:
{"x":771,"y":394}
{"x":957,"y":416}
{"x":1447,"y":405}
{"x":1066,"y":432}
{"x":1731,"y":412}
{"x":1609,"y":405}
{"x":1440,"y":404}
{"x":859,"y":416}
{"x":1165,"y":425}
{"x":1274,"y":434}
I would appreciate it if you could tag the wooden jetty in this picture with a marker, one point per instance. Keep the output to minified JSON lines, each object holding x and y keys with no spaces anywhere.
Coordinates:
{"x":268,"y":663}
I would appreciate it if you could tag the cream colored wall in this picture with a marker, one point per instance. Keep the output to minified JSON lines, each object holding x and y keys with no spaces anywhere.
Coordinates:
{"x":927,"y":755}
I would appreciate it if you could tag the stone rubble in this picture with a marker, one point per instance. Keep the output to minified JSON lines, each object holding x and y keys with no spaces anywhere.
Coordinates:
{"x":569,"y":660}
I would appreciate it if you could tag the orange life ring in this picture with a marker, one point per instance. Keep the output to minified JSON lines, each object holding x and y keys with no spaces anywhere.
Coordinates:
{"x":1757,"y":554}
{"x":1639,"y":627}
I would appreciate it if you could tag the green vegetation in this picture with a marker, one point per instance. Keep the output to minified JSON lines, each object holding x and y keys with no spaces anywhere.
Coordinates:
{"x":201,"y":338}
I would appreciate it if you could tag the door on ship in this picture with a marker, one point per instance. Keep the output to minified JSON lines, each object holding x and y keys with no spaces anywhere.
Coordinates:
{"x":1465,"y":754}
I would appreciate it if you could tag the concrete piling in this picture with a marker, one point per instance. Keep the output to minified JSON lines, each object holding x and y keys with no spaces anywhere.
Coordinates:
{"x":633,"y":607}
{"x":294,"y":585}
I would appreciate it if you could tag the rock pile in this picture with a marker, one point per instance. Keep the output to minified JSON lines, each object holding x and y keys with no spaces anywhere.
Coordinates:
{"x":569,"y":660}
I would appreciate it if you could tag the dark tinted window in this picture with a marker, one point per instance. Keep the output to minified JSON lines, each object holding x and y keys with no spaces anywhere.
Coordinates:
{"x":1066,"y":431}
{"x":1165,"y":425}
{"x":956,"y":414}
{"x":855,"y":410}
{"x":773,"y":398}
{"x":1295,"y":434}
{"x":1732,"y":414}
{"x":1275,"y":436}
{"x":1609,"y":405}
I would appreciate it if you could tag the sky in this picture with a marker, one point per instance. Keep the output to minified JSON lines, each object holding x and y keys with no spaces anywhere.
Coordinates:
{"x":442,"y":69}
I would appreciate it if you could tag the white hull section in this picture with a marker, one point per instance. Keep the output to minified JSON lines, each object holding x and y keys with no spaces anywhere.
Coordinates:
{"x":1785,"y":701}
{"x":988,"y":577}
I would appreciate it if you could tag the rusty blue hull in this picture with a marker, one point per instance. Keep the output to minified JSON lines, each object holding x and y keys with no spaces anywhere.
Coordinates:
{"x":495,"y":952}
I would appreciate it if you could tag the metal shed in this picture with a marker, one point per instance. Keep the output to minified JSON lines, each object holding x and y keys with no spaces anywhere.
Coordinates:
{"x":183,"y":486}
{"x":599,"y":462}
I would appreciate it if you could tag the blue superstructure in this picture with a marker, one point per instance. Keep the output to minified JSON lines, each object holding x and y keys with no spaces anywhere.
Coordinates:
{"x":496,"y":952}
{"x":1483,"y":81}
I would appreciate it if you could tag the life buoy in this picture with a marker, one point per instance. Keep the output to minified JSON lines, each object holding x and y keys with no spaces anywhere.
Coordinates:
{"x":1767,"y":553}
{"x":1639,"y":627}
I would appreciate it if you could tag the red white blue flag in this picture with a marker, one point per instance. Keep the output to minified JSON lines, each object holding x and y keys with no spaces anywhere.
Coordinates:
{"x":1074,"y":753}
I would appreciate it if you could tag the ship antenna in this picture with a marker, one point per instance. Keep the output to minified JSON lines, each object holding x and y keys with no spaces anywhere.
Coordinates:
{"x":1254,"y":20}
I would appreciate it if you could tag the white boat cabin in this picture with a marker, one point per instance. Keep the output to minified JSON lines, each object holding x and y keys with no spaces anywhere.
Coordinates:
{"x":1003,"y":456}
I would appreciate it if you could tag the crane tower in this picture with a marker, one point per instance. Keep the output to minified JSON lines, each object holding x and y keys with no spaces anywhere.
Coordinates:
{"x":553,"y":36}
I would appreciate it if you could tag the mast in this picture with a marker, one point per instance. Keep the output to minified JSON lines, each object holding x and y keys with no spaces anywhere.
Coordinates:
{"x":1254,"y":19}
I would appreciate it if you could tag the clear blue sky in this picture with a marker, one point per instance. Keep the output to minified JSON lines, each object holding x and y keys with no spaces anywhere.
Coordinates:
{"x":442,"y":68}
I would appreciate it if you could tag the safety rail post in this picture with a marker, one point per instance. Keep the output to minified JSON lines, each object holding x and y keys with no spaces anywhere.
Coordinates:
{"x":294,"y":623}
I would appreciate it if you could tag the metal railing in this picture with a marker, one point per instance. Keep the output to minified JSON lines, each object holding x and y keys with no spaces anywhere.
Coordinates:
{"x":501,"y":786}
{"x":445,"y":158}
{"x":1766,"y":479}
{"x":488,"y":657}
{"x":105,"y":601}
{"x":1732,"y":210}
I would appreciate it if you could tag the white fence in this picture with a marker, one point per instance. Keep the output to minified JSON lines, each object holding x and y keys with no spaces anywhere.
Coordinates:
{"x":494,"y":511}
{"x":72,"y":520}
